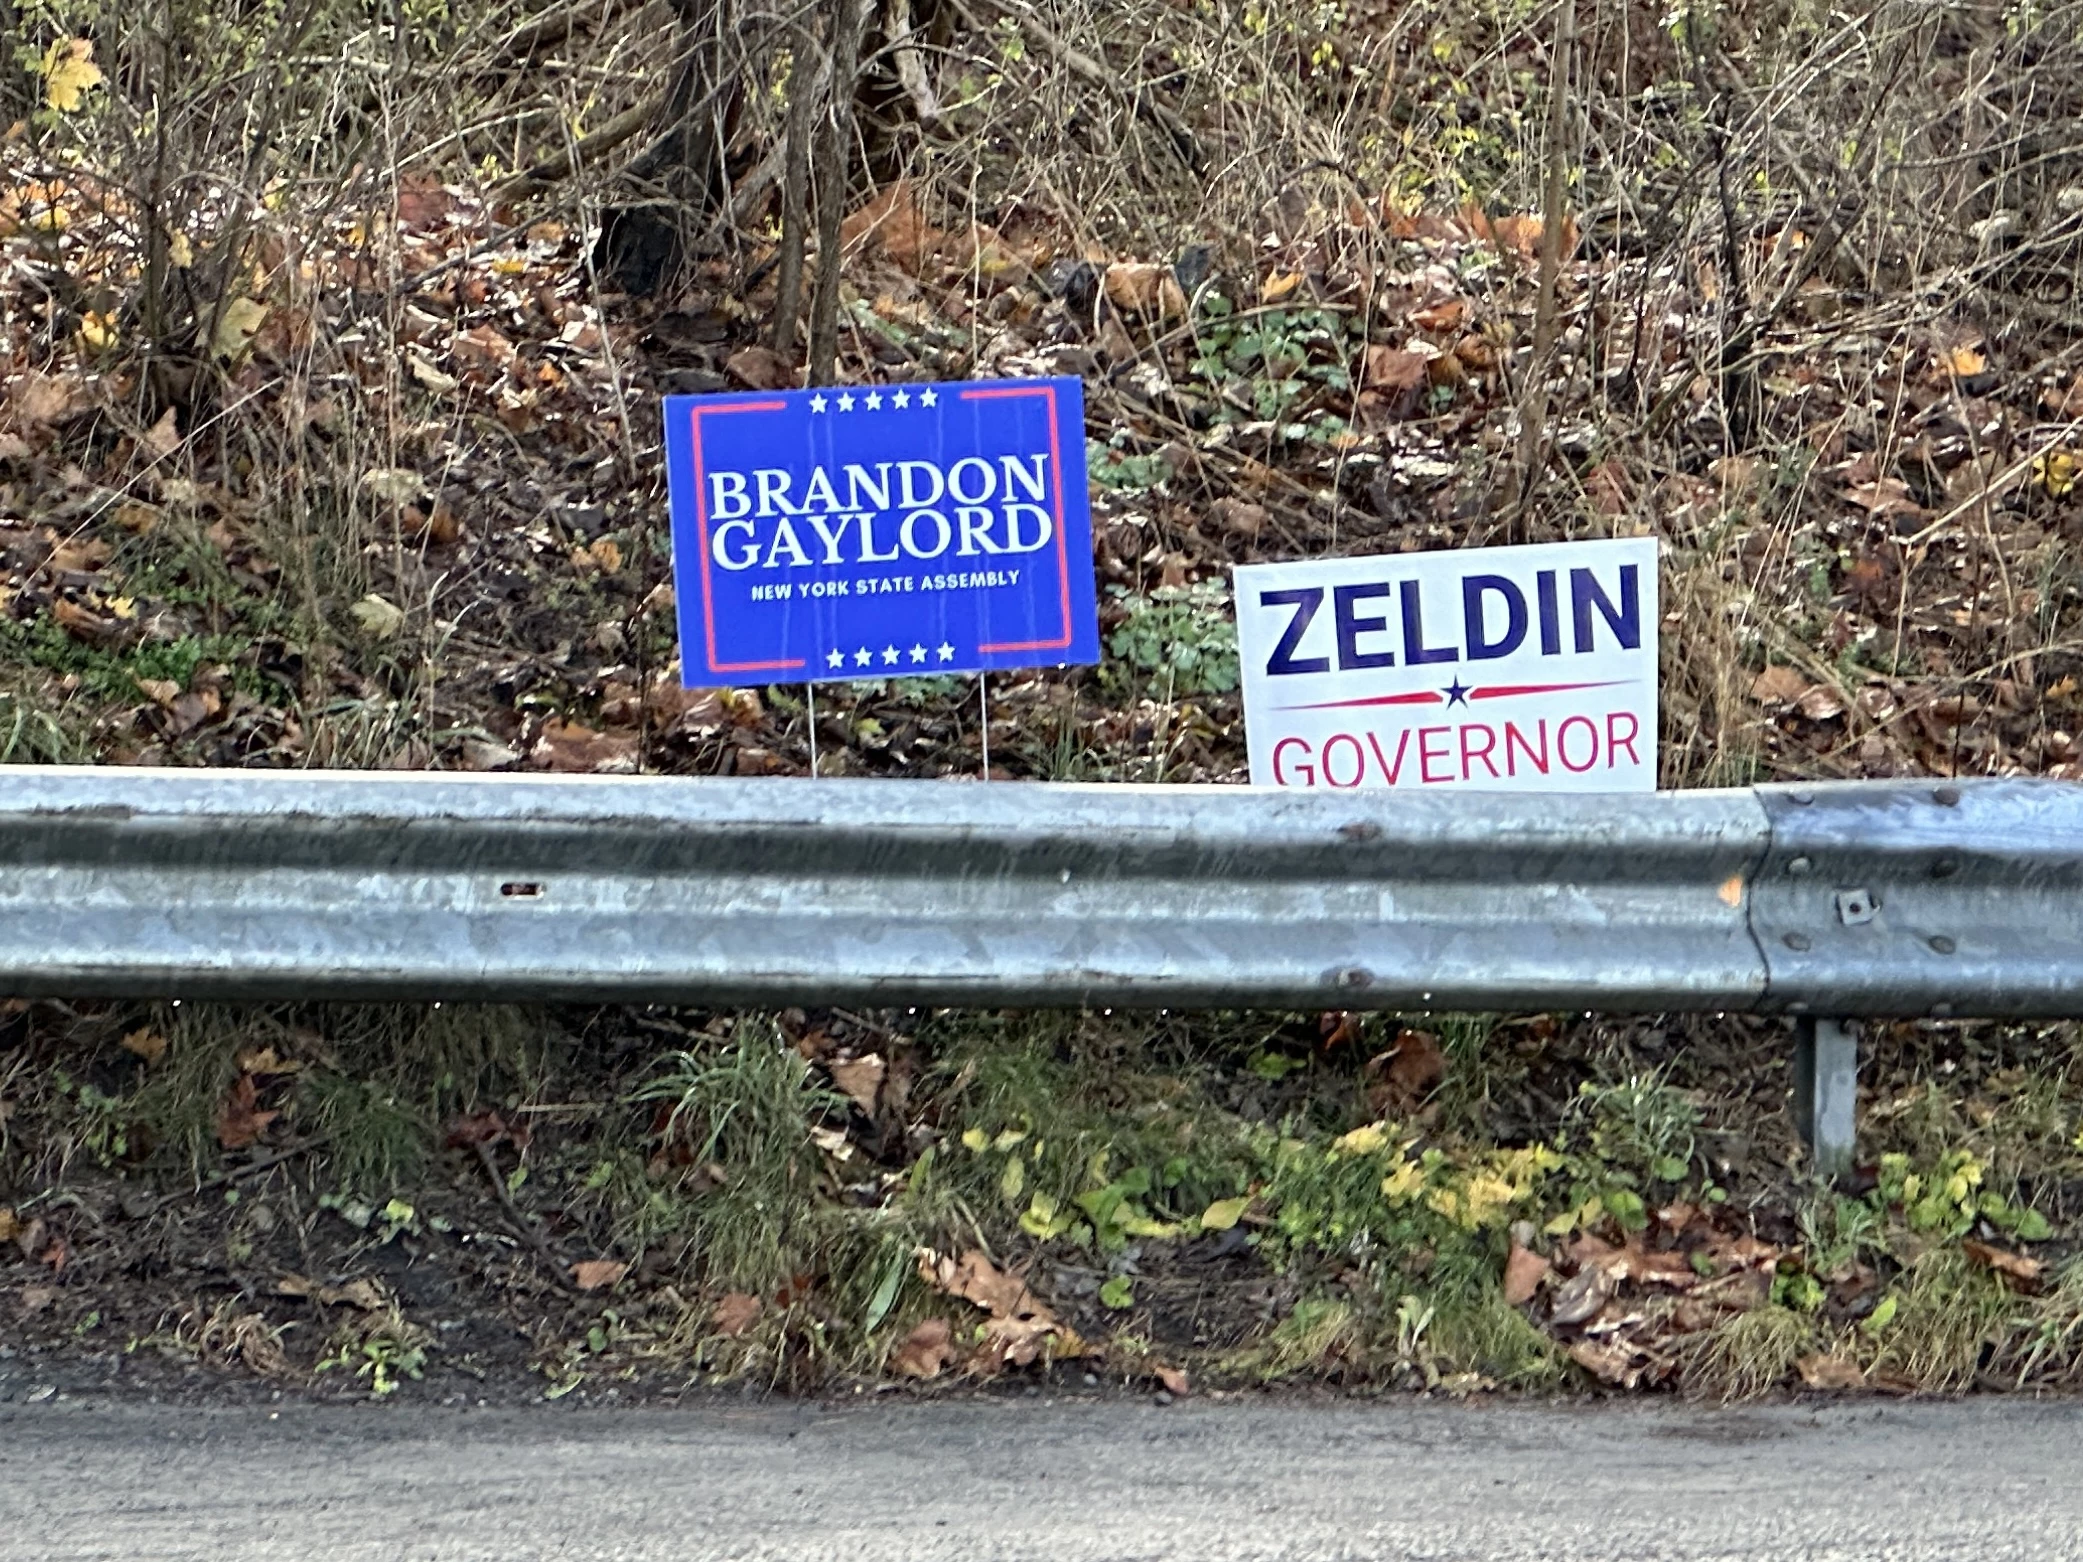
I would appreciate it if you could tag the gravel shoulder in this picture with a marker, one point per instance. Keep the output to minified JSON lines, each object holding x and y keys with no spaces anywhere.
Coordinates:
{"x":1213,"y":1481}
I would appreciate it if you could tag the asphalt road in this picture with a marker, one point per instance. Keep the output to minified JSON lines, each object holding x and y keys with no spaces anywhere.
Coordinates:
{"x":1066,"y":1482}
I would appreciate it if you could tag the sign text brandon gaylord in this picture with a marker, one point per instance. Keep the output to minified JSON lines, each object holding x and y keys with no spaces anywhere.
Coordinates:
{"x":868,"y":532}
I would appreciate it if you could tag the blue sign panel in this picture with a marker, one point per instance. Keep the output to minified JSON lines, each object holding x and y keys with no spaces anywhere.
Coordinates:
{"x":879,"y":532}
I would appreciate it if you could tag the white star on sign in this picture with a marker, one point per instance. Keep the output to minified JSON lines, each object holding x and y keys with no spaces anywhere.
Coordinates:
{"x":902,"y":398}
{"x":928,"y":398}
{"x":863,"y":657}
{"x":918,"y":653}
{"x":875,"y":401}
{"x":947,"y":652}
{"x":817,"y":404}
{"x":889,"y":656}
{"x":846,"y":403}
{"x":836,"y":659}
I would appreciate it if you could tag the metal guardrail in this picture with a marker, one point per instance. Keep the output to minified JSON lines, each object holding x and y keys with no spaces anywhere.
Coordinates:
{"x":1858,"y":899}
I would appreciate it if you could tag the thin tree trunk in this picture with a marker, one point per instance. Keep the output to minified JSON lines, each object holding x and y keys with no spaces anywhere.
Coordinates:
{"x":1533,"y":405}
{"x":795,"y":182}
{"x":832,"y":190}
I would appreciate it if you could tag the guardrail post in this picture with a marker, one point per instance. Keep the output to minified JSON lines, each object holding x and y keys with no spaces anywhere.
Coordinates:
{"x":1826,"y":1091}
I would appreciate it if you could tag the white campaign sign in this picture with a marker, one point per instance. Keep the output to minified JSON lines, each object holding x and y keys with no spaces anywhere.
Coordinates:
{"x":1496,"y":669}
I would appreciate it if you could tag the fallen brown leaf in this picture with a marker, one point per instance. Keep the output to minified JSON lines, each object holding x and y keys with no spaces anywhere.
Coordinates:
{"x":1020,"y":1342}
{"x":482,"y":348}
{"x":1830,"y":1372}
{"x":1616,"y":1361}
{"x":39,"y":398}
{"x":760,"y":368}
{"x":1888,"y":496}
{"x":1144,"y":288}
{"x":10,"y":1224}
{"x":1523,"y":1273}
{"x":1021,"y":1327}
{"x":974,"y":1278}
{"x":1175,"y":1380}
{"x":84,"y":623}
{"x":1396,"y":368}
{"x":1441,"y":317}
{"x":894,"y":221}
{"x":735,"y":1313}
{"x":145,"y":1043}
{"x":683,"y":709}
{"x":1820,"y":702}
{"x":1778,"y":685}
{"x":364,"y":1294}
{"x":861,"y":1079}
{"x":574,"y":749}
{"x":80,"y":555}
{"x":164,"y":437}
{"x":239,"y":1120}
{"x":597,"y":1274}
{"x":2014,"y":1269}
{"x":1520,"y":233}
{"x":1401,"y":1078}
{"x":1240,"y":517}
{"x":486,"y":1127}
{"x":924,"y":1352}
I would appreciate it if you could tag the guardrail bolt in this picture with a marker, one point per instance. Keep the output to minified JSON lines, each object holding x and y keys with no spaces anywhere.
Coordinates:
{"x":1826,"y":1092}
{"x":1856,"y":906}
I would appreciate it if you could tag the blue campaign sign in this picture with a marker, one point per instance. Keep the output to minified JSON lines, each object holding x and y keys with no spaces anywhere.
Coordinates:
{"x":881,"y":531}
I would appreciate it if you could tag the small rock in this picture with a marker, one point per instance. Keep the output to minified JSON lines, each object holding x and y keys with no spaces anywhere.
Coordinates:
{"x":1091,"y":1380}
{"x":40,"y":1393}
{"x":1163,"y":1397}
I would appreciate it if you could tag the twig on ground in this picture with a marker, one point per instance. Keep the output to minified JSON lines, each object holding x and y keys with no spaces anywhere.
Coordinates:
{"x":523,"y":1227}
{"x":252,"y":1168}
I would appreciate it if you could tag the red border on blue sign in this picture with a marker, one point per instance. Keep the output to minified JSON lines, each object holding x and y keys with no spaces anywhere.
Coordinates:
{"x":1062,"y":642}
{"x":701,"y":516}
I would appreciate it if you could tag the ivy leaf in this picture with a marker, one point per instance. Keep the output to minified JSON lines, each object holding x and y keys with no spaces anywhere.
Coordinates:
{"x":1118,"y":1293}
{"x":2032,"y":1227}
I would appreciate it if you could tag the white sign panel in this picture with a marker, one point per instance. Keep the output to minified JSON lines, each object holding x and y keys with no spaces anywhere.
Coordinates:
{"x":1495,"y":669}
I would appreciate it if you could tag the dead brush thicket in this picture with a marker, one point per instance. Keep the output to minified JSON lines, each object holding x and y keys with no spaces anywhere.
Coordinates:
{"x":328,"y":439}
{"x":320,"y":366}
